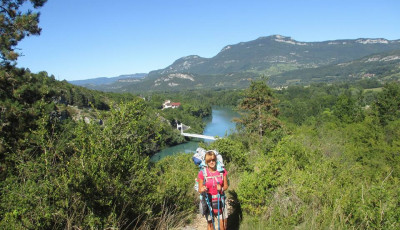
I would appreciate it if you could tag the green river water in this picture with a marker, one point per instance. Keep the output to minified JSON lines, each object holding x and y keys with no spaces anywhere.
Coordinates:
{"x":219,"y":124}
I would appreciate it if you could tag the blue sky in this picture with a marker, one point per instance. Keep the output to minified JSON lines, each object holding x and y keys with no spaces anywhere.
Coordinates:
{"x":84,"y":39}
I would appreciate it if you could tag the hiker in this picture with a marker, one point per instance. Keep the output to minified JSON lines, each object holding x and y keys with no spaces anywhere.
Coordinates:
{"x":215,"y":184}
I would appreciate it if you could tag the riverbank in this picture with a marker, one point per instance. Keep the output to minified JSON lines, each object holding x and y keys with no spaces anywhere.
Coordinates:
{"x":218,"y":124}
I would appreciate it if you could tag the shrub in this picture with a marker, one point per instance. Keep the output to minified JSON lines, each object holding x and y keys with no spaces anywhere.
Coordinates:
{"x":231,"y":151}
{"x":175,"y":182}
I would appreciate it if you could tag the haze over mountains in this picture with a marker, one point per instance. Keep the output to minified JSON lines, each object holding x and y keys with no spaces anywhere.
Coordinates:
{"x":284,"y":60}
{"x":109,"y":80}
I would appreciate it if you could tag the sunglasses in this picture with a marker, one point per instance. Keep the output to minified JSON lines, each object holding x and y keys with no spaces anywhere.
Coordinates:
{"x":212,"y":160}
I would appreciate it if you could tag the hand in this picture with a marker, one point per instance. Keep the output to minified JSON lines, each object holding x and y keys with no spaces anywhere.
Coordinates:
{"x":219,"y":187}
{"x":205,"y":189}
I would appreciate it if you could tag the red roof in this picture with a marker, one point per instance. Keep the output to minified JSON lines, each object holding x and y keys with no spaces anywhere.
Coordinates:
{"x":175,"y":104}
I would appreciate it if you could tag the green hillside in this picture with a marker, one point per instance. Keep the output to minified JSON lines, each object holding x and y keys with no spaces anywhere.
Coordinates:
{"x":384,"y":67}
{"x":263,"y":53}
{"x":181,"y":82}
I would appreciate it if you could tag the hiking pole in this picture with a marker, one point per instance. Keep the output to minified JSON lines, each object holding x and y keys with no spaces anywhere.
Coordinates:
{"x":205,"y":195}
{"x":210,"y":209}
{"x":223,"y":208}
{"x":218,"y":199}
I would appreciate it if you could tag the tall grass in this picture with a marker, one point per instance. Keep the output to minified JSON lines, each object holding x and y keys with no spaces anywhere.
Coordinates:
{"x":169,"y":218}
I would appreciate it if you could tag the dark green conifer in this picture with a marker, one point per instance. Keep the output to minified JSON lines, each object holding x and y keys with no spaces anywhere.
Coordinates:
{"x":15,"y":25}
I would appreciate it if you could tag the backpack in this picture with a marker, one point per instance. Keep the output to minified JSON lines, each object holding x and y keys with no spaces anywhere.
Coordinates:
{"x":199,"y":160}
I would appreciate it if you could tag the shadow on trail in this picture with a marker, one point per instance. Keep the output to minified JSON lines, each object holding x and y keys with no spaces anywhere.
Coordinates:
{"x":235,"y":217}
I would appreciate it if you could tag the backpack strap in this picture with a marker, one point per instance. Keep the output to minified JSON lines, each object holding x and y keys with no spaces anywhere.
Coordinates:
{"x":211,"y":177}
{"x":204,"y":175}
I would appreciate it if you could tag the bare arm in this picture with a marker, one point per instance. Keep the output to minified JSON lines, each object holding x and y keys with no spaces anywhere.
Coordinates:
{"x":202,"y":187}
{"x":226,"y":183}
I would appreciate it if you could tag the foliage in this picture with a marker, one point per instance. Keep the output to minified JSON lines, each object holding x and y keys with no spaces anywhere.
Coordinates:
{"x":258,"y":109}
{"x":346,"y":109}
{"x":175,"y":182}
{"x":269,"y":171}
{"x":348,"y":103}
{"x":325,"y":177}
{"x":191,"y":111}
{"x":25,"y":97}
{"x":100,"y":178}
{"x":61,"y":173}
{"x":15,"y":25}
{"x":388,"y":103}
{"x":232,"y":151}
{"x":182,"y":115}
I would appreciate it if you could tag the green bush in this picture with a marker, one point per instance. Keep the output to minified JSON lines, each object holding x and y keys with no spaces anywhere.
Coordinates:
{"x":256,"y":189}
{"x":231,"y":151}
{"x":175,"y":182}
{"x":99,"y":178}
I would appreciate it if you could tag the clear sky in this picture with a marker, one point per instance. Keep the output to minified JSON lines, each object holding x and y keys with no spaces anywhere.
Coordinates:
{"x":84,"y":39}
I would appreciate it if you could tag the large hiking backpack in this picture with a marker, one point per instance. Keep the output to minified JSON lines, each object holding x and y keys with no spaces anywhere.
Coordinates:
{"x":199,"y":159}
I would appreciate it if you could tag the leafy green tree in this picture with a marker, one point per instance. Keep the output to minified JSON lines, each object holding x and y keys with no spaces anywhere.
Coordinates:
{"x":347,"y":110}
{"x":388,"y":103}
{"x":175,"y":182}
{"x":15,"y":25}
{"x":258,"y":109}
{"x":256,"y":188}
{"x":232,"y":151}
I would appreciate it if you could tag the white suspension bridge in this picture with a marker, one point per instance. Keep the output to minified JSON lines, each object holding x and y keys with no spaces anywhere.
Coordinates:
{"x":182,"y":127}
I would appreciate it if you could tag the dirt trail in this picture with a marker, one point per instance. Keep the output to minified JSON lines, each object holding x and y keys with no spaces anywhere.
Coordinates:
{"x":200,"y":223}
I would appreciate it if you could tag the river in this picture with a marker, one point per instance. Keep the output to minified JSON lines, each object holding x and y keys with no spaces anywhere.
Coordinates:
{"x":218,"y":124}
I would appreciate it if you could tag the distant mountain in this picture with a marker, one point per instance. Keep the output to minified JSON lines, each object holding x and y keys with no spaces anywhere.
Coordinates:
{"x":274,"y":54}
{"x":277,"y":57}
{"x":177,"y":82}
{"x":109,"y":80}
{"x":383,"y":66}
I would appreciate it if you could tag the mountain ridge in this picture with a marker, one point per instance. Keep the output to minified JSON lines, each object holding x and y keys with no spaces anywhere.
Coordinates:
{"x":108,"y":80}
{"x":260,"y":54}
{"x":235,"y":65}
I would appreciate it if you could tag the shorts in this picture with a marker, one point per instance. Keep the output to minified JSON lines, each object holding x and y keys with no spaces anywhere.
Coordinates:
{"x":223,"y":215}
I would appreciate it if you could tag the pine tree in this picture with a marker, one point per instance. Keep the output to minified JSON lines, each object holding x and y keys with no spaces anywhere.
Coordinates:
{"x":15,"y":25}
{"x":258,"y":109}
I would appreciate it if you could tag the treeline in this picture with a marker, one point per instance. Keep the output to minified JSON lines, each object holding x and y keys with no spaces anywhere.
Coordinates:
{"x":220,"y":97}
{"x":299,"y":104}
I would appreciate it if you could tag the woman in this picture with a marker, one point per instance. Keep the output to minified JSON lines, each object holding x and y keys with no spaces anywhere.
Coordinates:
{"x":215,"y":183}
